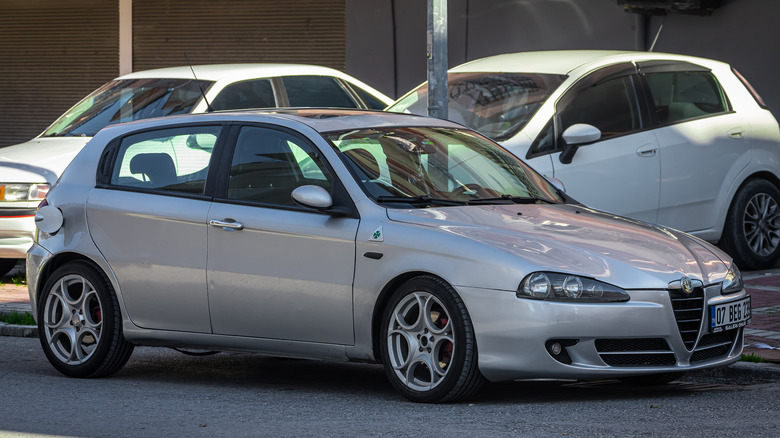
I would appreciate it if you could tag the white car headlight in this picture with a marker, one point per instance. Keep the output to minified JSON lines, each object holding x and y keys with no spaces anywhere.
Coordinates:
{"x":23,"y":192}
{"x":553,"y":286}
{"x":733,"y":281}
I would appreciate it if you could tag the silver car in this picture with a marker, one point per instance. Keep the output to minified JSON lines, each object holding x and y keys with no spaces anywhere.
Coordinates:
{"x":366,"y":236}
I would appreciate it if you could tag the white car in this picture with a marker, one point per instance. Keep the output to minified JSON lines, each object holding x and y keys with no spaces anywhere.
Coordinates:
{"x":28,"y":170}
{"x":676,"y":140}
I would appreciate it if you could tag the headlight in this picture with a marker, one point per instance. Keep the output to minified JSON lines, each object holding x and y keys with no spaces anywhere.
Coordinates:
{"x":553,"y":286}
{"x":733,"y":281}
{"x":23,"y":192}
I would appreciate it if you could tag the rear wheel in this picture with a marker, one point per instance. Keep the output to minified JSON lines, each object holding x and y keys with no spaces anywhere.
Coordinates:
{"x":428,"y":344}
{"x":79,"y":323}
{"x":752,"y":231}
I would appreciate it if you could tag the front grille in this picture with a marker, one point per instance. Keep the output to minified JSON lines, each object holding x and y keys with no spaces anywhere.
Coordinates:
{"x":620,"y":345}
{"x":714,"y":345}
{"x":638,"y":360}
{"x":688,"y":311}
{"x":635,"y":352}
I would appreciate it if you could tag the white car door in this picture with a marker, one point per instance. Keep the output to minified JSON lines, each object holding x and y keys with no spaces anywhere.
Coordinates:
{"x":620,"y":172}
{"x":701,"y":140}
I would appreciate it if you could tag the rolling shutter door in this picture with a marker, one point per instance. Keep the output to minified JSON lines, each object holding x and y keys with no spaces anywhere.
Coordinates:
{"x":52,"y":54}
{"x":231,"y":31}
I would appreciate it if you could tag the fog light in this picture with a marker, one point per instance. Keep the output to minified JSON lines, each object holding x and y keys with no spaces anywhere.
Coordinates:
{"x":557,"y":349}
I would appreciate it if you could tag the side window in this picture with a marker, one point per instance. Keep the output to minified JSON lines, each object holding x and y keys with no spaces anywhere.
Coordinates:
{"x":609,"y":105}
{"x":248,"y":94}
{"x":268,"y":165}
{"x":544,"y":143}
{"x":317,"y":91}
{"x":683,"y":95}
{"x":370,"y":101}
{"x":175,"y":159}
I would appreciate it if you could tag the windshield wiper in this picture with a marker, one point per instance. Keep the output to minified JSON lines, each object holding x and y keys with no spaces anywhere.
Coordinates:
{"x":506,"y":199}
{"x":421,"y":199}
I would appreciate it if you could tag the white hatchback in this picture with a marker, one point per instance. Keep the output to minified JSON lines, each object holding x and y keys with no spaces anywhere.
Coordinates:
{"x":28,"y":170}
{"x":681,"y":141}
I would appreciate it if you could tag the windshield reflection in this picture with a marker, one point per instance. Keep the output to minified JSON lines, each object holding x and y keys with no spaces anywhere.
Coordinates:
{"x":422,"y":166}
{"x":495,"y":104}
{"x":126,"y":100}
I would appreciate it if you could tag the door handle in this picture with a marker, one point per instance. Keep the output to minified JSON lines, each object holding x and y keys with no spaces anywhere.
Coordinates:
{"x":227,"y":224}
{"x":736,"y":133}
{"x":648,"y":150}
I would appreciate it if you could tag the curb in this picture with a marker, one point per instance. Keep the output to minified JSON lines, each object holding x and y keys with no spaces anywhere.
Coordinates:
{"x":21,"y":331}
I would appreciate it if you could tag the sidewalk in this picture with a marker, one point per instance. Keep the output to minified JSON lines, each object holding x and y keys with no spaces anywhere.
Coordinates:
{"x":762,"y":336}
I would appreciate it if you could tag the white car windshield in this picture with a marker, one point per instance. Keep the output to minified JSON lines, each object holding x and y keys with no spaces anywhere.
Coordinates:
{"x":495,"y":104}
{"x":126,"y":100}
{"x":427,"y":166}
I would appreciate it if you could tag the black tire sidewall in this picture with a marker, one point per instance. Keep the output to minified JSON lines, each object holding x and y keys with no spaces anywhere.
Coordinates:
{"x":733,"y":240}
{"x":448,"y":298}
{"x":110,"y":332}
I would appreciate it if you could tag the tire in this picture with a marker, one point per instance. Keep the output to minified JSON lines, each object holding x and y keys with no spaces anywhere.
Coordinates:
{"x":6,"y":265}
{"x":751,"y":235}
{"x":79,"y":323}
{"x":429,"y":356}
{"x":652,"y":379}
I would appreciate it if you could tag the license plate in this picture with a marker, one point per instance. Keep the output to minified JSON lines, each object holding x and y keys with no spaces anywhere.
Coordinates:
{"x":730,"y":315}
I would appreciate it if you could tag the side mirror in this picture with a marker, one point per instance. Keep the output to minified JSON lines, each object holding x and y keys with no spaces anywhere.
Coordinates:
{"x":575,"y":136}
{"x":313,"y":197}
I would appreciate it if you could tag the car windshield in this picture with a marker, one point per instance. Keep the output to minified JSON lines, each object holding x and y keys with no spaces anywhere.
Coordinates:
{"x":126,"y":100}
{"x":425,"y":166}
{"x":495,"y":104}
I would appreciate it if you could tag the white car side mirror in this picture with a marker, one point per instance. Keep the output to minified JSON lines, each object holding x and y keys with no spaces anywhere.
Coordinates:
{"x":581,"y":133}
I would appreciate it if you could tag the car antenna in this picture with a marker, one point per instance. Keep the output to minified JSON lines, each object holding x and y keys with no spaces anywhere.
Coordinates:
{"x":657,"y":34}
{"x":209,"y":109}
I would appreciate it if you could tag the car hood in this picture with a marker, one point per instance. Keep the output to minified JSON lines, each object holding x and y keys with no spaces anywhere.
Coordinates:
{"x":577,"y":240}
{"x":39,"y":160}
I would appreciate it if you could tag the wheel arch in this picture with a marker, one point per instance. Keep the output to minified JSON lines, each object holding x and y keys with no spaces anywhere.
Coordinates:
{"x":381,"y":302}
{"x":55,"y":262}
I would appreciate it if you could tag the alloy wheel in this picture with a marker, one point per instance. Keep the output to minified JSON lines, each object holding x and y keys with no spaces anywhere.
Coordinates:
{"x":762,"y":224}
{"x":420,"y":341}
{"x":73,"y":319}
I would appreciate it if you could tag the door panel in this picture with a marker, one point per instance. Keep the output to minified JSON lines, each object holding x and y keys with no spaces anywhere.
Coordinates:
{"x":695,"y":157}
{"x":277,"y":270}
{"x":285,"y":275}
{"x":620,"y":175}
{"x":161,"y":269}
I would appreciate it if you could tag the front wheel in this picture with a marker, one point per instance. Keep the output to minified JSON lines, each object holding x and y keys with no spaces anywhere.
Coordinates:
{"x":752,"y":231}
{"x":428,"y":347}
{"x":79,"y":323}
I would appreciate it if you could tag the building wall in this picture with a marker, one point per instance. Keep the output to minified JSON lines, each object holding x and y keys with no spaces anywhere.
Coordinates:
{"x":739,"y":32}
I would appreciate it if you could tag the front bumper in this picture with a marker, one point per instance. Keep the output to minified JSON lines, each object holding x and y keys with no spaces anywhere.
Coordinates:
{"x":17,"y":230}
{"x":599,"y":341}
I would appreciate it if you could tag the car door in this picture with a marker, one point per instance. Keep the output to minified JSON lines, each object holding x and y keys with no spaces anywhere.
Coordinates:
{"x":700,"y":137}
{"x":277,"y":270}
{"x":152,"y":186}
{"x":620,"y":172}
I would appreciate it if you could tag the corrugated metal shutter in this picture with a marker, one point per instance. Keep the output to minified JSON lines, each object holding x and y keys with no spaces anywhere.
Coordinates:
{"x":52,"y":53}
{"x":228,"y":31}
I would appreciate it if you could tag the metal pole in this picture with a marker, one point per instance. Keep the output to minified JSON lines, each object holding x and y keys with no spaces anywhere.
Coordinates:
{"x":437,"y":58}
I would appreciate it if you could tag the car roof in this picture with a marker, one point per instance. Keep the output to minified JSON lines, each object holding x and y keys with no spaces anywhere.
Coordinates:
{"x":319,"y":119}
{"x":562,"y":61}
{"x":234,"y":72}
